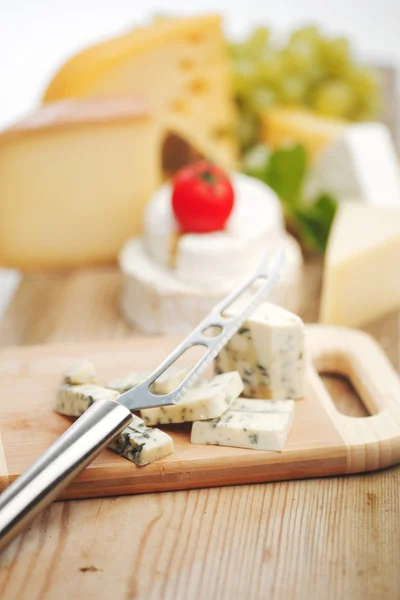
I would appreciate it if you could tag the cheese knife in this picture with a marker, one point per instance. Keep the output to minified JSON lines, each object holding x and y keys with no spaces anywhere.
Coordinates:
{"x":43,"y":482}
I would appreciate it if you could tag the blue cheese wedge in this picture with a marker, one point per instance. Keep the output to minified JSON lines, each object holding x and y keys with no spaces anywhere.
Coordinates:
{"x":268,"y":351}
{"x":142,"y":445}
{"x":248,"y":423}
{"x":166,"y":383}
{"x":206,"y":400}
{"x":81,"y":372}
{"x":73,"y":400}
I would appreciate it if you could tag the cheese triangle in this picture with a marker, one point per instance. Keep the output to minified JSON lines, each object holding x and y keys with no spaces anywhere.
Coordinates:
{"x":285,"y":125}
{"x":361,"y":279}
{"x":362,"y":164}
{"x":180,"y":66}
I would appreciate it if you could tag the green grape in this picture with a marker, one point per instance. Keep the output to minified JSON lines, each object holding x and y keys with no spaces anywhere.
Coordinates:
{"x":361,"y":114}
{"x":364,"y":81}
{"x":333,"y":98}
{"x":335,"y":55}
{"x":309,"y":32}
{"x":269,"y":68}
{"x":258,"y":40}
{"x":234,"y":50}
{"x":314,"y":75}
{"x":243,"y":72}
{"x":262,"y":98}
{"x":240,"y":51}
{"x":247,"y":129}
{"x":365,"y":86}
{"x":367,"y":108}
{"x":253,"y":46}
{"x":300,"y":55}
{"x":293,"y":89}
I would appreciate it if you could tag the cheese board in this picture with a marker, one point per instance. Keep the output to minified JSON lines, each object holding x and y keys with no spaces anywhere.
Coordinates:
{"x":322,"y":441}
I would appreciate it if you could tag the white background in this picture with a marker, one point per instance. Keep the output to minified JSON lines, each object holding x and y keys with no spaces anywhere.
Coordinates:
{"x":36,"y":36}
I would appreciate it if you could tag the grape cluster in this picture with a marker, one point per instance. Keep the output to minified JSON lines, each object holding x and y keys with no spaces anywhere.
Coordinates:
{"x":310,"y":70}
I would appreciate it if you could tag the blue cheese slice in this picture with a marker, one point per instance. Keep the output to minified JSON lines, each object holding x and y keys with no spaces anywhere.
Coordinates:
{"x":166,"y":383}
{"x":268,"y":351}
{"x":141,"y":444}
{"x":73,"y":400}
{"x":255,"y":424}
{"x":206,"y":400}
{"x":81,"y":372}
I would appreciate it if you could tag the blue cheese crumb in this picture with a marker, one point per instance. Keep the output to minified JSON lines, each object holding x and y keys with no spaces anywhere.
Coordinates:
{"x":142,"y":445}
{"x":80,"y":373}
{"x":248,"y":423}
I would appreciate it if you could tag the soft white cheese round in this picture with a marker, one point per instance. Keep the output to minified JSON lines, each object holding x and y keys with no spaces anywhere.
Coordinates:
{"x":155,"y":301}
{"x":217,"y":258}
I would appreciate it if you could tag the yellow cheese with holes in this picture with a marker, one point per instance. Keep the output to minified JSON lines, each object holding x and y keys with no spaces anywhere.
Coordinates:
{"x":180,"y":66}
{"x":284,"y":126}
{"x":74,"y":179}
{"x":361,"y":280}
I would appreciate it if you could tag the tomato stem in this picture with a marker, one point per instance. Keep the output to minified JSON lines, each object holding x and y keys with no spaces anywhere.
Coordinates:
{"x":208,"y":176}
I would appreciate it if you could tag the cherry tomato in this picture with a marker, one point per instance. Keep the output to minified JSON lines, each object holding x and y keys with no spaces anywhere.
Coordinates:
{"x":202,"y":198}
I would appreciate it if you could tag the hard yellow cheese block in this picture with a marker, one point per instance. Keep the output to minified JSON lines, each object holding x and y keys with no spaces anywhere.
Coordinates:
{"x":180,"y":66}
{"x":361,"y":277}
{"x":74,"y":179}
{"x":283,"y":126}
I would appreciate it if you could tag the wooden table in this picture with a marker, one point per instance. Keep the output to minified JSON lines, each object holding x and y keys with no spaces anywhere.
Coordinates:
{"x":333,"y":538}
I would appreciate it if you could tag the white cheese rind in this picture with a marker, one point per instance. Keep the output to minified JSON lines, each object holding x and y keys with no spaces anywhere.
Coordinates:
{"x":361,"y":164}
{"x":244,"y":425}
{"x":165,"y":384}
{"x":81,"y":373}
{"x":206,"y":259}
{"x":206,"y":400}
{"x":142,"y":445}
{"x":156,"y":302}
{"x":73,"y":400}
{"x":268,"y":351}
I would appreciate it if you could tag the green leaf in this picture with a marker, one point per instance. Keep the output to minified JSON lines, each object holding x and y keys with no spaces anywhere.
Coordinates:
{"x":286,"y":171}
{"x":312,"y":222}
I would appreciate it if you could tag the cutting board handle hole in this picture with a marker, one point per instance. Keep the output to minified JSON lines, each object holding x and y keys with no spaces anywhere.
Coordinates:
{"x":347,"y":383}
{"x":185,"y":361}
{"x":344,"y":395}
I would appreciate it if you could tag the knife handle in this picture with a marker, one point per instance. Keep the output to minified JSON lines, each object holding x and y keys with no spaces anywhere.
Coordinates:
{"x":42,"y":483}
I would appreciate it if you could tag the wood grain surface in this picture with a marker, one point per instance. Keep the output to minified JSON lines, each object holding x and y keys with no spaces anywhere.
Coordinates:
{"x":333,"y":538}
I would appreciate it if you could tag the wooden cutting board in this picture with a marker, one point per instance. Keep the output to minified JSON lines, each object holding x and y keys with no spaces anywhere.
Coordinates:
{"x":322,"y":440}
